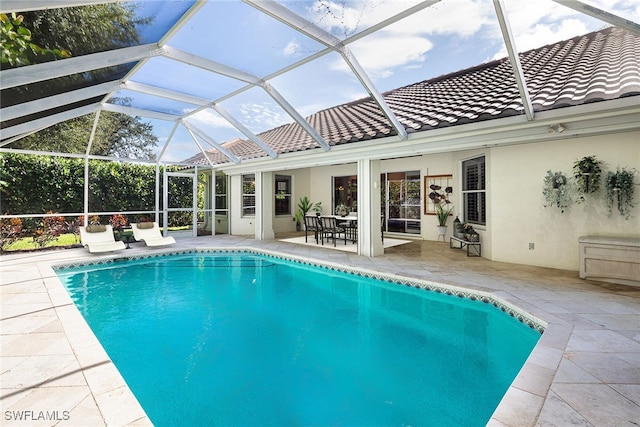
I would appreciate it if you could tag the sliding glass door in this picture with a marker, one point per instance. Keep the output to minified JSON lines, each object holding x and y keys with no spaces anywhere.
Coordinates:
{"x":401,"y":202}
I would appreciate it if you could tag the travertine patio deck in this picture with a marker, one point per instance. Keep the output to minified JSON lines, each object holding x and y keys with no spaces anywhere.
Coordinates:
{"x":584,"y":371}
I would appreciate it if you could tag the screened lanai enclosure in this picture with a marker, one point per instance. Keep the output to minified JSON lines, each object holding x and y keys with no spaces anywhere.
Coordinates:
{"x":184,"y":94}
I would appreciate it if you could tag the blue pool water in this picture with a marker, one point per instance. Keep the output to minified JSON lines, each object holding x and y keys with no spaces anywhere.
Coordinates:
{"x":248,"y":340}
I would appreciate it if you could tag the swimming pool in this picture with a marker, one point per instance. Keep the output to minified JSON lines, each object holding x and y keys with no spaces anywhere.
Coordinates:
{"x":252,"y":339}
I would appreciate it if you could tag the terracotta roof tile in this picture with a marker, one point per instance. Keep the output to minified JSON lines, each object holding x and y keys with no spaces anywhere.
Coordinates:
{"x":599,"y":66}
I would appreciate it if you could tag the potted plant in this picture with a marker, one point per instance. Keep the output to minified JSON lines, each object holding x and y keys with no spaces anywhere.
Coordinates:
{"x":317,"y":208}
{"x":620,"y":187}
{"x":586,"y":173}
{"x":557,"y":191}
{"x":469,"y":234}
{"x":342,"y":210}
{"x":443,"y":210}
{"x":299,"y":217}
{"x":304,"y":205}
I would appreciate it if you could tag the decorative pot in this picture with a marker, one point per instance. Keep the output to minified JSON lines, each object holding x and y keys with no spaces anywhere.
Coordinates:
{"x":457,"y":228}
{"x":442,"y":230}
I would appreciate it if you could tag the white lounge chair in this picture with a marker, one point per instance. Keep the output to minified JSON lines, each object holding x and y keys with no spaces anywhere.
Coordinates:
{"x":150,"y":233}
{"x":99,"y":238}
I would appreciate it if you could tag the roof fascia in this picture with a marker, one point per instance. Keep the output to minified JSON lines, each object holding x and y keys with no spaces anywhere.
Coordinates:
{"x":301,"y":25}
{"x":242,"y":128}
{"x":8,"y":6}
{"x":132,"y":111}
{"x":606,"y":117}
{"x":45,"y":122}
{"x":49,"y":70}
{"x":602,"y":15}
{"x":42,"y":104}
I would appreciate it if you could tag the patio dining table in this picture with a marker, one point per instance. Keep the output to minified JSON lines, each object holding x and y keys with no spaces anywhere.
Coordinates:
{"x":349,"y":222}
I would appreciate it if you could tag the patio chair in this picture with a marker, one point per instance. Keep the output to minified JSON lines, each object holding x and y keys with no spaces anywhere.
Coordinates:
{"x":150,"y":233}
{"x":99,"y":238}
{"x":331,"y":229}
{"x":311,"y":223}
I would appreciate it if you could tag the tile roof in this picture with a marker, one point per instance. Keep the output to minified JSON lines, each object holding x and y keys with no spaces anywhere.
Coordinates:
{"x":598,"y":66}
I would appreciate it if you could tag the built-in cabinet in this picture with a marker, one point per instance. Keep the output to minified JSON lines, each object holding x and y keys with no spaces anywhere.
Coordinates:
{"x":610,"y":259}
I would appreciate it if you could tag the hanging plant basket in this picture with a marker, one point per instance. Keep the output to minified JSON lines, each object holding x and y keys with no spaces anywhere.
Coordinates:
{"x":587,"y":173}
{"x":620,"y":188}
{"x":557,"y":191}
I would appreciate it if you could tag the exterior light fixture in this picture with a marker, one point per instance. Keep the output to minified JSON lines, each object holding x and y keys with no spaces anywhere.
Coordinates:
{"x":557,"y":128}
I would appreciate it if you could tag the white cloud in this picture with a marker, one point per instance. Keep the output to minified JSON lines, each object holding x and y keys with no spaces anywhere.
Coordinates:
{"x":462,"y":18}
{"x":261,"y":117}
{"x":292,"y":48}
{"x":405,"y":43}
{"x":539,"y":23}
{"x":381,"y":53}
{"x":209,"y":118}
{"x":543,"y":34}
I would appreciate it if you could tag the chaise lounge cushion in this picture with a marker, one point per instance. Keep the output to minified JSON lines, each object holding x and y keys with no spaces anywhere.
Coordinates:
{"x":144,"y":225}
{"x":96,"y":228}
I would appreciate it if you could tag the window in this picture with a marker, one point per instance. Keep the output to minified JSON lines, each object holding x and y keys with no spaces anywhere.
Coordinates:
{"x":221,"y":194}
{"x":248,"y":195}
{"x":474,"y":191}
{"x":345,"y":192}
{"x":283,"y":195}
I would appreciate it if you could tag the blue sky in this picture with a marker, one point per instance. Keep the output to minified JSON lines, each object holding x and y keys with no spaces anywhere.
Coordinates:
{"x":447,"y":37}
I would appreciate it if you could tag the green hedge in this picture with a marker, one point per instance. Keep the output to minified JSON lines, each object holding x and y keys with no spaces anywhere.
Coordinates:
{"x":39,"y":184}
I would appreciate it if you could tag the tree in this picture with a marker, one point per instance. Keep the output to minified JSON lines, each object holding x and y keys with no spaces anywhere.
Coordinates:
{"x":117,"y":135}
{"x":72,"y":31}
{"x":83,"y":30}
{"x":17,"y":46}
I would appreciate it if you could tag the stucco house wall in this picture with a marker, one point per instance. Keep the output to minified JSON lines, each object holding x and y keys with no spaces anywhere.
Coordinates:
{"x":517,"y":213}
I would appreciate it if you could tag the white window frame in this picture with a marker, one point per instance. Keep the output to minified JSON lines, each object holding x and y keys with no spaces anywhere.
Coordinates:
{"x":479,"y":217}
{"x":245,"y":195}
{"x":279,"y":179}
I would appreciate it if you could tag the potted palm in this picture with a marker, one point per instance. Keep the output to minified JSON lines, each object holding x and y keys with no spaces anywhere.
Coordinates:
{"x":304,"y":206}
{"x":443,"y":210}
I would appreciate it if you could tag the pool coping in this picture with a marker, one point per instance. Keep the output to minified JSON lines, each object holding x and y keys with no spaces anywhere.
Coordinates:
{"x":521,"y":403}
